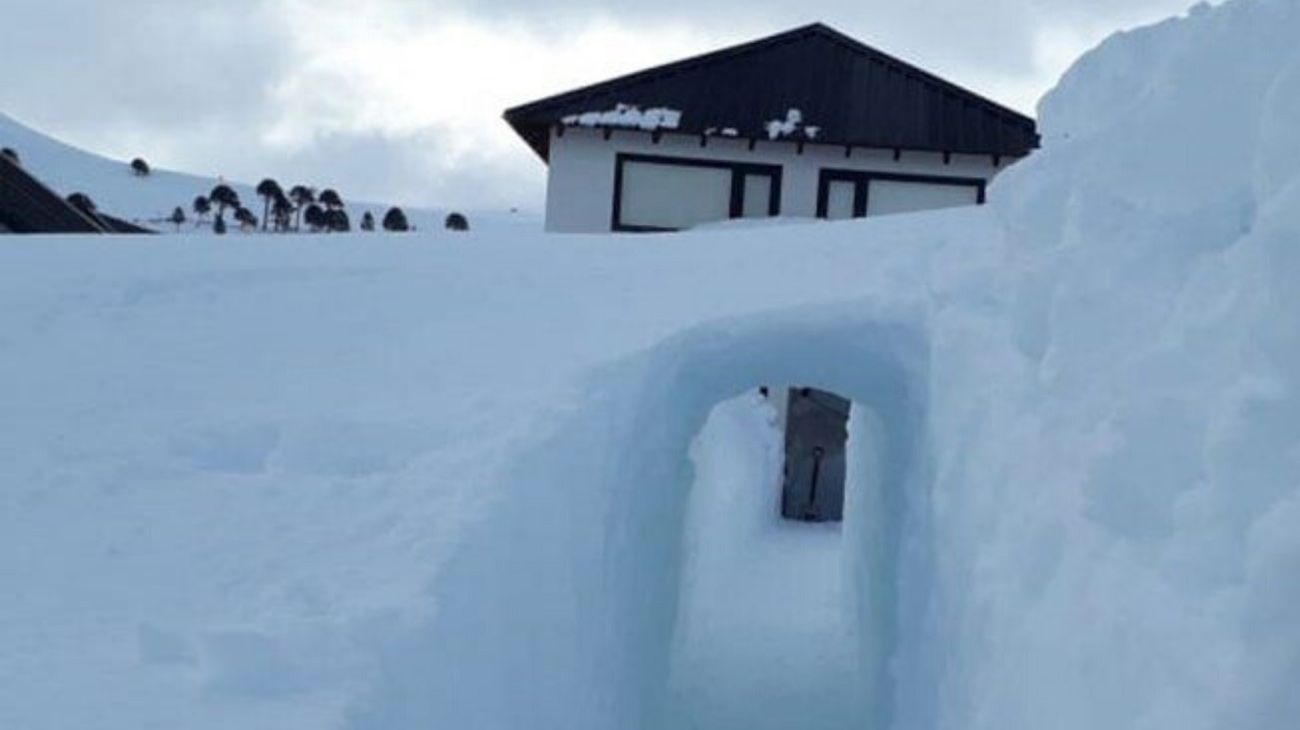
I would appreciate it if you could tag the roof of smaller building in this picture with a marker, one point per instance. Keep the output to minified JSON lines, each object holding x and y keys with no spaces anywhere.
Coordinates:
{"x":845,"y":93}
{"x":27,"y":206}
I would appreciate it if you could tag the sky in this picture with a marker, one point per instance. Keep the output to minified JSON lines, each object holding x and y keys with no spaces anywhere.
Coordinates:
{"x":401,"y":100}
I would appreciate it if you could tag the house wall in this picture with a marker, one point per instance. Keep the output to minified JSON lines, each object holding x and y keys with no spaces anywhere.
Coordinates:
{"x":580,"y":186}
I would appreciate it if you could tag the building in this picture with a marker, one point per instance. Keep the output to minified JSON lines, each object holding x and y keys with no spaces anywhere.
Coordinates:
{"x":806,"y":123}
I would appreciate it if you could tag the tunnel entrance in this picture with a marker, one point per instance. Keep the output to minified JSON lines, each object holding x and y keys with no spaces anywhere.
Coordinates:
{"x":658,"y":586}
{"x":765,"y":631}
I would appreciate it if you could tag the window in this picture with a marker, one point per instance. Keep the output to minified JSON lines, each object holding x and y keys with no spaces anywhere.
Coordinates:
{"x":841,"y":199}
{"x":855,"y":194}
{"x":654,"y":193}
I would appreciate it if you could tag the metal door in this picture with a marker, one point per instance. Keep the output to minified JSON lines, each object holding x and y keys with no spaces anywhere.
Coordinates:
{"x":816,"y":430}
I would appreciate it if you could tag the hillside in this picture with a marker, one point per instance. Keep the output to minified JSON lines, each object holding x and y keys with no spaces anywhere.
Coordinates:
{"x":150,"y":199}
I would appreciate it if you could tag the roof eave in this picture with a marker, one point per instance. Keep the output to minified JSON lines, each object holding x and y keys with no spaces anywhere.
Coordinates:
{"x":538,"y":137}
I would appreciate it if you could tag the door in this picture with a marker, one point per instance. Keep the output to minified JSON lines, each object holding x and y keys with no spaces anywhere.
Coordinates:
{"x":816,"y":431}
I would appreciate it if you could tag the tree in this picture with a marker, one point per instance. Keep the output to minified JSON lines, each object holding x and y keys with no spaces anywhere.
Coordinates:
{"x":457,"y":222}
{"x":177,"y":218}
{"x":368,"y":221}
{"x":10,"y":154}
{"x":282,"y":209}
{"x":245,"y":218}
{"x":337,"y":221}
{"x":269,"y":190}
{"x":139,"y":167}
{"x":330,"y":199}
{"x":314,"y":217}
{"x":395,"y":221}
{"x":302,"y":196}
{"x":201,"y":208}
{"x":219,"y":225}
{"x":83,"y":203}
{"x":223,"y":196}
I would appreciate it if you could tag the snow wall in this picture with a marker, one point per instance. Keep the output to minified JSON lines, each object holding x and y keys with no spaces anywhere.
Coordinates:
{"x":1091,"y":443}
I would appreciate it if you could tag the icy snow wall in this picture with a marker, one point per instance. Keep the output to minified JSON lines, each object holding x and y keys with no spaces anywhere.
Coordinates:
{"x":1092,"y":443}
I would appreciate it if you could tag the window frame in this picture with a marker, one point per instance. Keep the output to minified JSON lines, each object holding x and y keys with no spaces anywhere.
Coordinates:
{"x":739,"y":170}
{"x":862,"y":179}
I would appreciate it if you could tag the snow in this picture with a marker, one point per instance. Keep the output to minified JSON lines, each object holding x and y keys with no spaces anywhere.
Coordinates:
{"x":149,"y":200}
{"x":509,"y":480}
{"x":778,"y":128}
{"x":629,"y":116}
{"x":739,"y":661}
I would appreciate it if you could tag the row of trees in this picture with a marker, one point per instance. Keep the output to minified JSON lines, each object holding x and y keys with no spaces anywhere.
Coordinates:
{"x":283,"y":212}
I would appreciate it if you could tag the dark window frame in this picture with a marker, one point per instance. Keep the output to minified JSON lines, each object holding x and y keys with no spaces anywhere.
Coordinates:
{"x":862,"y":186}
{"x":739,"y":170}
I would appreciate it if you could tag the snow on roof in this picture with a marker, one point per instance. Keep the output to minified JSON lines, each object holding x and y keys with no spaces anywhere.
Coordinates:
{"x":628,"y":116}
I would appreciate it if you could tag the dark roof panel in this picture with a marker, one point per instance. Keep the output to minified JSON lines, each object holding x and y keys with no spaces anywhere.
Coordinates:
{"x":854,"y":93}
{"x":27,"y":206}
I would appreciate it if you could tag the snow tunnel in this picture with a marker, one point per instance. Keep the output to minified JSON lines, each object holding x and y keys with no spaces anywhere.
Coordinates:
{"x":765,"y":631}
{"x":613,"y":585}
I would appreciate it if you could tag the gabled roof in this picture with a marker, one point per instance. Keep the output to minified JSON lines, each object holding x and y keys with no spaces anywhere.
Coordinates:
{"x":853,"y":93}
{"x":27,"y":206}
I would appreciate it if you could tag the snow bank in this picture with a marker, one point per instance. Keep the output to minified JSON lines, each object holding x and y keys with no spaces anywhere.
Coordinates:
{"x":379,"y":484}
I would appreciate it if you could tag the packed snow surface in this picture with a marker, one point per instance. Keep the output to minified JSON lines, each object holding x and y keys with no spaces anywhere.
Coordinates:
{"x":505,"y":480}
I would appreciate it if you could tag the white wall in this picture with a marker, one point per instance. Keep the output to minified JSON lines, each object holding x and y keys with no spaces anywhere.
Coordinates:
{"x":580,"y":187}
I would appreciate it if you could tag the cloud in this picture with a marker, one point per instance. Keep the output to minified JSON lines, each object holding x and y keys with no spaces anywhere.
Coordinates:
{"x":401,"y":100}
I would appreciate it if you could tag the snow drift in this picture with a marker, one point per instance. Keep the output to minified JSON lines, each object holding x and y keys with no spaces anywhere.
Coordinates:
{"x":414,"y":484}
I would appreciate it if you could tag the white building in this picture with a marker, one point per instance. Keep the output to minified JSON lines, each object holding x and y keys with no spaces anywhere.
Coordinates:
{"x":807,"y":123}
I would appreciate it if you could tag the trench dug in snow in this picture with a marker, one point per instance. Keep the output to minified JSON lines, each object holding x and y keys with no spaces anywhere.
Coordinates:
{"x":765,"y":635}
{"x":767,"y":623}
{"x":620,"y":584}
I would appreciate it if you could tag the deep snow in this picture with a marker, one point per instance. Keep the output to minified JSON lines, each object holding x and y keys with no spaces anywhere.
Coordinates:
{"x":387,"y":483}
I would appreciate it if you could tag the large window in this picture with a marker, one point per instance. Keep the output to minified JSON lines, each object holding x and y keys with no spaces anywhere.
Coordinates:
{"x":653,"y":193}
{"x":855,"y":194}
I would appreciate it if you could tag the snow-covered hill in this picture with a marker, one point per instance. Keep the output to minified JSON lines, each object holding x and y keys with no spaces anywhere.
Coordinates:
{"x":150,"y":199}
{"x":514,"y":481}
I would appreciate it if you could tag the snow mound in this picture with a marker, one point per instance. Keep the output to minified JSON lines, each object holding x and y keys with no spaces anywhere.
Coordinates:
{"x":355,"y":483}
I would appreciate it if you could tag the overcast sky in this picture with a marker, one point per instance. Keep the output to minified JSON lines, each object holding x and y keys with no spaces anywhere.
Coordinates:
{"x":401,"y":100}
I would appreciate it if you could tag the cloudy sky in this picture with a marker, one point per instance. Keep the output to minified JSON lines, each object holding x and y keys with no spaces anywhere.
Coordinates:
{"x":401,"y":100}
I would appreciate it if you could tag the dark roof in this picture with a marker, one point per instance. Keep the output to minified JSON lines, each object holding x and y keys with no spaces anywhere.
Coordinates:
{"x":27,"y":206}
{"x":855,"y":94}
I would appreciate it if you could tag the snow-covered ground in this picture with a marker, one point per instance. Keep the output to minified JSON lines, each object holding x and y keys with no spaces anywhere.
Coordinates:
{"x":508,"y":480}
{"x":149,"y":200}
